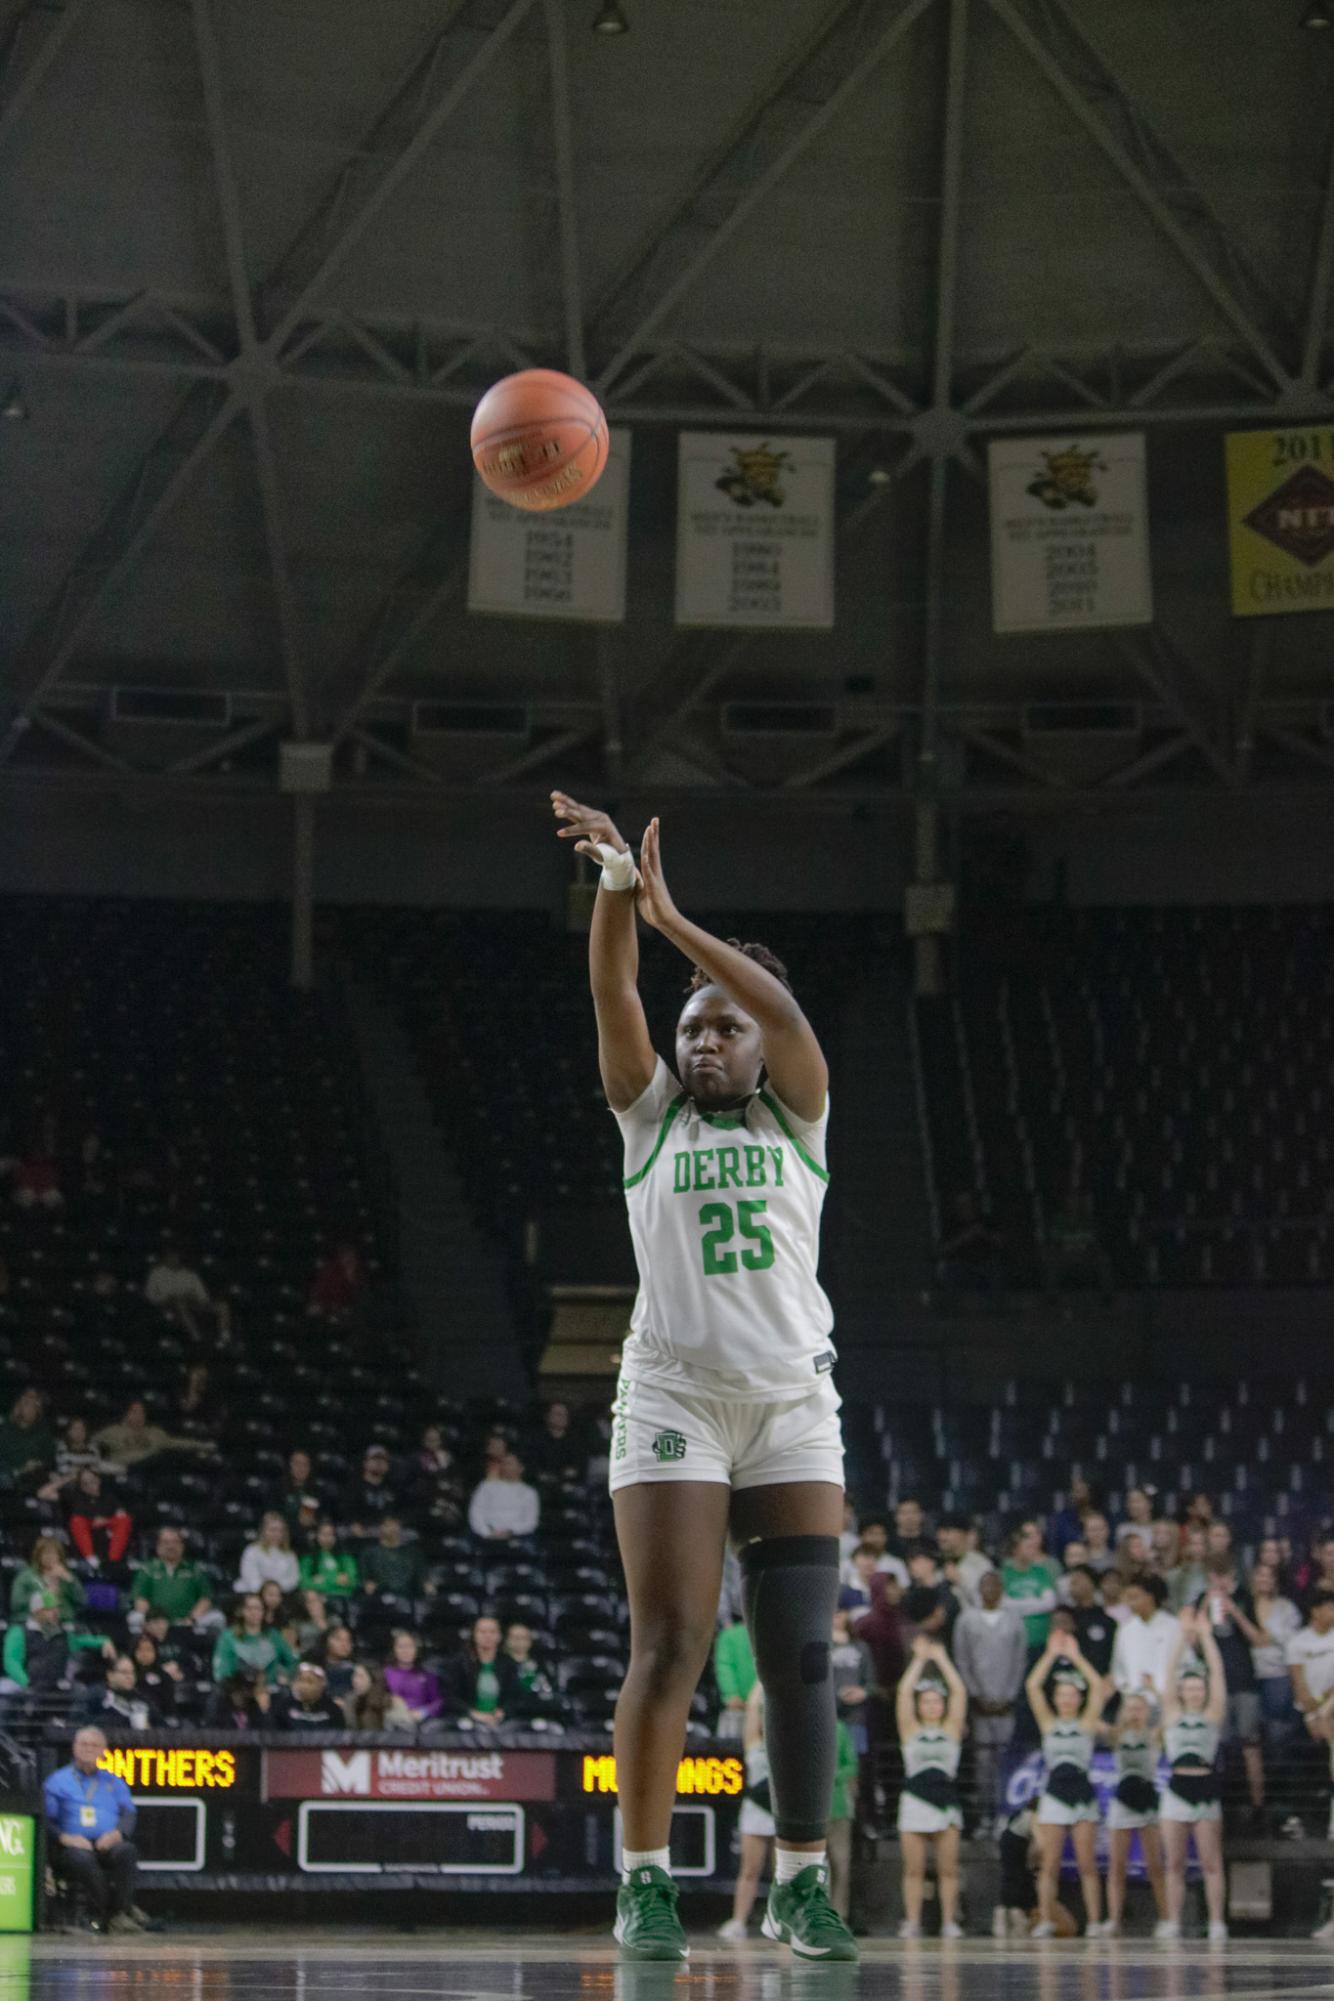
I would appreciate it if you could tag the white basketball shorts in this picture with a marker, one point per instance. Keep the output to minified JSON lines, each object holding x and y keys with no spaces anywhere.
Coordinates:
{"x":661,"y":1433}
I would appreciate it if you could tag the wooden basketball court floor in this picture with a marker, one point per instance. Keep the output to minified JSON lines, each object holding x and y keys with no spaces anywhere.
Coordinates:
{"x":459,"y":1965}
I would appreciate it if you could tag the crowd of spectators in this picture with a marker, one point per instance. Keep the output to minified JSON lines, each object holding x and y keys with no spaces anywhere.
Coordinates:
{"x":1117,"y":1589}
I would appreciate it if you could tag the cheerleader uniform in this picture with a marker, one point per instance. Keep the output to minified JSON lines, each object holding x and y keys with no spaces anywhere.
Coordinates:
{"x":930,"y":1802}
{"x":1192,"y":1791}
{"x":756,"y":1817}
{"x":1135,"y":1801}
{"x":1067,"y":1798}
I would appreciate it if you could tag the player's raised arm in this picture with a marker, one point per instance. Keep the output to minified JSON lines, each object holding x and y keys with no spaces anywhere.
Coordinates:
{"x":625,"y":1054}
{"x":792,"y":1054}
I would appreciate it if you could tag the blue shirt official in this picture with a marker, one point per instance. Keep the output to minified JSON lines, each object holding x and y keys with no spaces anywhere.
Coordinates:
{"x":88,"y":1803}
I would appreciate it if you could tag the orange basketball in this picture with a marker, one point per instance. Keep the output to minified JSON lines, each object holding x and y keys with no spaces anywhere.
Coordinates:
{"x":539,"y":439}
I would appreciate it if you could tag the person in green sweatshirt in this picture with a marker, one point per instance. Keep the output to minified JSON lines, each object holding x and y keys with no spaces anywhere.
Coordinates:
{"x":734,"y":1672}
{"x":249,"y":1643}
{"x":1029,"y":1579}
{"x":331,"y":1571}
{"x":391,"y":1567}
{"x":840,"y":1820}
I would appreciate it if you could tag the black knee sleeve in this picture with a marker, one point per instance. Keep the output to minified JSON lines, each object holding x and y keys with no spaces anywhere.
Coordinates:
{"x":791,"y":1585}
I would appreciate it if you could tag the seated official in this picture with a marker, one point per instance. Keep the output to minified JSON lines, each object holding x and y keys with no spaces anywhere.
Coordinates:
{"x":90,"y":1816}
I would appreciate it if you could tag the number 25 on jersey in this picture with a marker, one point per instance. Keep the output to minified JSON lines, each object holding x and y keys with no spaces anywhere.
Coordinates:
{"x":722,"y":1224}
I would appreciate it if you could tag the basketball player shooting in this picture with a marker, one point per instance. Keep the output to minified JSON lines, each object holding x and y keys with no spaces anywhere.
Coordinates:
{"x":726,"y":1417}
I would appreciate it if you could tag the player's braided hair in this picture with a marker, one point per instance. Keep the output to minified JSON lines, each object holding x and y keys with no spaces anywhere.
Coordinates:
{"x":759,"y":953}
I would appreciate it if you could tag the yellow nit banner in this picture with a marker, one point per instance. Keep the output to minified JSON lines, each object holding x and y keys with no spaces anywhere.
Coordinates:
{"x":1280,"y":515}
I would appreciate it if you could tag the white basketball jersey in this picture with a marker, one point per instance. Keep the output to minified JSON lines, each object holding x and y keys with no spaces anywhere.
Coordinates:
{"x":725,"y":1215}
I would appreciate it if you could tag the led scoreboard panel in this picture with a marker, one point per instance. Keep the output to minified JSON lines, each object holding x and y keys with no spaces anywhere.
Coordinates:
{"x":460,"y":1814}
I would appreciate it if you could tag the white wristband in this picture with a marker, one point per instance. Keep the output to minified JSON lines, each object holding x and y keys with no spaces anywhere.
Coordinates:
{"x":618,"y":866}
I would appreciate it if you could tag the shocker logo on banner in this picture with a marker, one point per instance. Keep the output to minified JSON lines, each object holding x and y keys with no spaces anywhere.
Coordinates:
{"x":669,"y":1446}
{"x":754,"y":475}
{"x":1067,"y":479}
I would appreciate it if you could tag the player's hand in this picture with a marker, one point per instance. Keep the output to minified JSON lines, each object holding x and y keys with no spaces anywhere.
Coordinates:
{"x":653,"y":898}
{"x":586,"y":826}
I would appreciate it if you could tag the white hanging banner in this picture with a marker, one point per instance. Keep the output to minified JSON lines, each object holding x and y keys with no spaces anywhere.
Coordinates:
{"x":754,"y":530}
{"x":566,"y":564}
{"x":1069,"y":533}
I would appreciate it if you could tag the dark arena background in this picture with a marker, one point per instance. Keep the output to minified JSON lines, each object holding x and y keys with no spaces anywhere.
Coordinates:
{"x":957,"y":596}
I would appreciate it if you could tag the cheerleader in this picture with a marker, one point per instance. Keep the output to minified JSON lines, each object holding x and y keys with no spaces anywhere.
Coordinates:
{"x":1194,"y":1709}
{"x":756,"y":1823}
{"x":1136,"y":1743}
{"x":930,"y":1720}
{"x":1069,"y":1724}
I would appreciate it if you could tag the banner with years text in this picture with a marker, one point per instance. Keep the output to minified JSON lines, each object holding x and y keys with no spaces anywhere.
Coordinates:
{"x":1280,"y":521}
{"x":569,"y":563}
{"x":755,"y":531}
{"x":1069,"y":533}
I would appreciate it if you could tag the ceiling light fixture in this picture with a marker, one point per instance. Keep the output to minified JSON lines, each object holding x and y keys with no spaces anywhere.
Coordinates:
{"x":1318,"y":15}
{"x":610,"y":20}
{"x":14,"y":410}
{"x":879,"y":476}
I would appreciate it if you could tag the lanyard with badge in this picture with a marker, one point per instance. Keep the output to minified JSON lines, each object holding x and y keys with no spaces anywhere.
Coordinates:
{"x":88,"y":1812}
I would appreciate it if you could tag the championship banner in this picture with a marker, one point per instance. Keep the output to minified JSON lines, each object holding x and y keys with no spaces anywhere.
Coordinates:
{"x":567,"y":564}
{"x":754,"y":531}
{"x":1069,"y":533}
{"x":1280,"y":521}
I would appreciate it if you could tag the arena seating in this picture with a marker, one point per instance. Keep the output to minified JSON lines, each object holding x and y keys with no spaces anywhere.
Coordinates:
{"x":1176,"y":1064}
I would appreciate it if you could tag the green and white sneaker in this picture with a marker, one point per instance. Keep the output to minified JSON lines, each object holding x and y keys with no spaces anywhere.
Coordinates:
{"x":801,"y":1915}
{"x":647,"y":1926}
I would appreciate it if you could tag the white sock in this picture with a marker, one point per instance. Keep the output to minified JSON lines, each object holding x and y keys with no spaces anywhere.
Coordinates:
{"x":789,"y":1862}
{"x":644,"y":1858}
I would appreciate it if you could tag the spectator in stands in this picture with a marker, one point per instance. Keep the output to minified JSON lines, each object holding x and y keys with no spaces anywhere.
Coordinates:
{"x":1217,"y":1541}
{"x":47,"y":1570}
{"x":970,"y":1258}
{"x":1073,"y":1559}
{"x":1311,"y":1667}
{"x":134,"y":1439}
{"x":339,"y":1285}
{"x":1146,"y":1641}
{"x":1030,"y":1581}
{"x":1094,"y":1628}
{"x":307,"y":1704}
{"x":27,"y":1449}
{"x":1132,"y":1555}
{"x":1229,"y":1611}
{"x":300,"y":1489}
{"x":910,"y":1528}
{"x":393,"y":1571}
{"x":554,"y":1450}
{"x":39,"y":1655}
{"x":1189,"y":1577}
{"x":337,"y":1656}
{"x":481,"y":1684}
{"x":854,"y":1594}
{"x":333,"y":1572}
{"x":90,"y":1817}
{"x":1139,"y":1517}
{"x":1317,"y":1573}
{"x":405,"y":1676}
{"x":1279,"y":1621}
{"x":436,"y":1487}
{"x":963,"y":1563}
{"x":1098,"y":1552}
{"x":114,"y":1704}
{"x":249,"y":1643}
{"x":37,"y":1181}
{"x":1164,"y":1548}
{"x":1072,"y":1255}
{"x":503,"y":1505}
{"x":371,"y":1495}
{"x":1277,"y":1552}
{"x":176,"y":1289}
{"x":283,"y":1612}
{"x":270,"y":1558}
{"x":929,"y":1606}
{"x":1067,"y":1525}
{"x":198,"y":1411}
{"x":372,"y":1705}
{"x":99,"y":1524}
{"x":74,"y":1451}
{"x":535,"y":1693}
{"x":853,"y":1673}
{"x":241,"y":1702}
{"x":1113,"y":1597}
{"x":875,"y":1537}
{"x":179,"y":1648}
{"x":170,"y":1584}
{"x":991,"y":1653}
{"x":155,"y":1680}
{"x":734,"y":1672}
